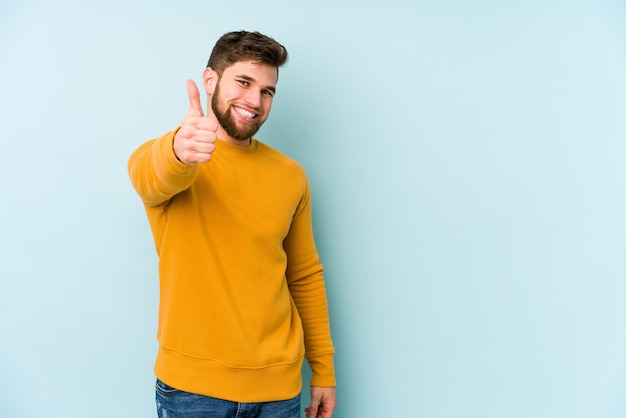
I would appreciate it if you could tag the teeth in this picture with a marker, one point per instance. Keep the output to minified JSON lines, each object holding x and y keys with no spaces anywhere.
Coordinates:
{"x":244,"y":113}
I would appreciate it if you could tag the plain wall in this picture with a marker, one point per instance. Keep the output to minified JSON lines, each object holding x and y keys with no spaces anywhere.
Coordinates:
{"x":467,"y":168}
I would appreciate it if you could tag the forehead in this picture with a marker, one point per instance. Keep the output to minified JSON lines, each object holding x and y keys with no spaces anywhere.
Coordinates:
{"x":261,"y":73}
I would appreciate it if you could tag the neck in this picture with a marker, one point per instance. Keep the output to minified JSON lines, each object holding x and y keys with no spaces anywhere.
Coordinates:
{"x":223,"y":136}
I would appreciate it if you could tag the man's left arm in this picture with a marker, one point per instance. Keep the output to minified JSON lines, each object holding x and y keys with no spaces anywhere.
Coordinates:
{"x":305,"y":276}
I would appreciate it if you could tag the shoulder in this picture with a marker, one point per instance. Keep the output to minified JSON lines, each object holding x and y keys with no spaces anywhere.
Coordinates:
{"x":278,"y":157}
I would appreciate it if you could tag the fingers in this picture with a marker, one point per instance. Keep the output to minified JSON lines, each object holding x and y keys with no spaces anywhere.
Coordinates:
{"x":195,"y":106}
{"x":311,"y":412}
{"x":317,"y":411}
{"x":316,"y":407}
{"x":194,"y":142}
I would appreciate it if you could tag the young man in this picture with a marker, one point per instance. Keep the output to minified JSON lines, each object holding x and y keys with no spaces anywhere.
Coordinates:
{"x":242,"y":291}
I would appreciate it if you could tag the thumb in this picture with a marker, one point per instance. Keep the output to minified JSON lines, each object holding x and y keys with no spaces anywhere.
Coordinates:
{"x":194,"y":98}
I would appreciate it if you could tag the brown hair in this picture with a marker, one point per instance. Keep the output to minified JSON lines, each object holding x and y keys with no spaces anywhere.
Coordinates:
{"x":238,"y":46}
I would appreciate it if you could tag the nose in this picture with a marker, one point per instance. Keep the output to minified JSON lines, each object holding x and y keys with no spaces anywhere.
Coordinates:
{"x":253,"y":98}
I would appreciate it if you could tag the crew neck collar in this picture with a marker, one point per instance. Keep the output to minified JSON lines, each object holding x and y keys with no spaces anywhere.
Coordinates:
{"x":244,"y":149}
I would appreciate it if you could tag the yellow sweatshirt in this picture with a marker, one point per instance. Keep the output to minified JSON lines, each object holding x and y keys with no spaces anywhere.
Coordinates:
{"x":241,"y":285}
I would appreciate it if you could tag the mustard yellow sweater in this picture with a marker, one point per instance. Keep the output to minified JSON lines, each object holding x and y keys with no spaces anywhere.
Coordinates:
{"x":241,"y":285}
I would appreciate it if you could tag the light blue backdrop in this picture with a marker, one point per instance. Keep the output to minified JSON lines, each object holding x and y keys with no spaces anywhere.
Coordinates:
{"x":467,"y":167}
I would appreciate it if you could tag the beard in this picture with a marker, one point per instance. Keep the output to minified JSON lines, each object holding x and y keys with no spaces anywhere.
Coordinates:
{"x":228,"y":122}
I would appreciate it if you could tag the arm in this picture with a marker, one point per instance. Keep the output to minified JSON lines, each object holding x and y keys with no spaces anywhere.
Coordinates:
{"x":305,"y":276}
{"x":164,"y":167}
{"x":155,"y":172}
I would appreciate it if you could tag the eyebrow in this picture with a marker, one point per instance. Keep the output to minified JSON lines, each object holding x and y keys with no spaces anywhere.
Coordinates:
{"x":248,"y":78}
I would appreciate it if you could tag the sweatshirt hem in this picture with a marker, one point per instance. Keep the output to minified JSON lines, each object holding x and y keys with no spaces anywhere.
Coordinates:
{"x":215,"y":378}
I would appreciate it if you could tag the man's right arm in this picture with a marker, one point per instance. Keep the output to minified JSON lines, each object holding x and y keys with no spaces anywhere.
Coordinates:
{"x":166,"y":166}
{"x":156,"y":173}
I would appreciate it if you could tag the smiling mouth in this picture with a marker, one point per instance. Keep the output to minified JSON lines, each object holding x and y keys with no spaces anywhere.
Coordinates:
{"x":245,"y":114}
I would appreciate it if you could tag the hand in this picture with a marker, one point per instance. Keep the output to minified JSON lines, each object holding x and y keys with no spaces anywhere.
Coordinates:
{"x":195,"y":140}
{"x":323,"y":402}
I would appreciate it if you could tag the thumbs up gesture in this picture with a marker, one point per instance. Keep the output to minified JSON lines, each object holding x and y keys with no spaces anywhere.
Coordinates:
{"x":195,"y":140}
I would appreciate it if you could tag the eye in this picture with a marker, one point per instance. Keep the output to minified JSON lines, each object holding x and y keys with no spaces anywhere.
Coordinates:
{"x":267,"y":92}
{"x":243,"y":83}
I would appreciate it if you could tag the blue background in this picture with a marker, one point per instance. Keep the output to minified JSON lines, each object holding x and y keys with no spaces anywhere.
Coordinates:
{"x":467,"y":168}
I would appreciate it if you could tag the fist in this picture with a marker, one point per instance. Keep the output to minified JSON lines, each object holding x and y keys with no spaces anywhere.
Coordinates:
{"x":195,"y":140}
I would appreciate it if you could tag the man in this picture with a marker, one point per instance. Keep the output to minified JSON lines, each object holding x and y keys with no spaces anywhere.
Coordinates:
{"x":241,"y":286}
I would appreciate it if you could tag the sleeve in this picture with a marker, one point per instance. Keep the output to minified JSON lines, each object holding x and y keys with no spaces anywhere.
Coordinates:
{"x":155,"y":172}
{"x":305,"y":276}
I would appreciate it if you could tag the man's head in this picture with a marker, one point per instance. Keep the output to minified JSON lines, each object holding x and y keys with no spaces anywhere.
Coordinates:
{"x":240,"y":80}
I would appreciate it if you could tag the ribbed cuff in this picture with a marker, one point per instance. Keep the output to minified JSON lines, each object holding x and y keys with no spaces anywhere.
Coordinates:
{"x":323,"y":370}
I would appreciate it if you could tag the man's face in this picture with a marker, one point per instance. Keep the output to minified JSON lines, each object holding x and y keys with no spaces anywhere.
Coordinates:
{"x":242,"y":98}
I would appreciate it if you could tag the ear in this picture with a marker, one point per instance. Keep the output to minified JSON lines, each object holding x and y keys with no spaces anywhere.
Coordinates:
{"x":209,"y":80}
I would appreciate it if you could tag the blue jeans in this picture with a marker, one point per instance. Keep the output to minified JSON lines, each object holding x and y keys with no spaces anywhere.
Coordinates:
{"x":174,"y":403}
